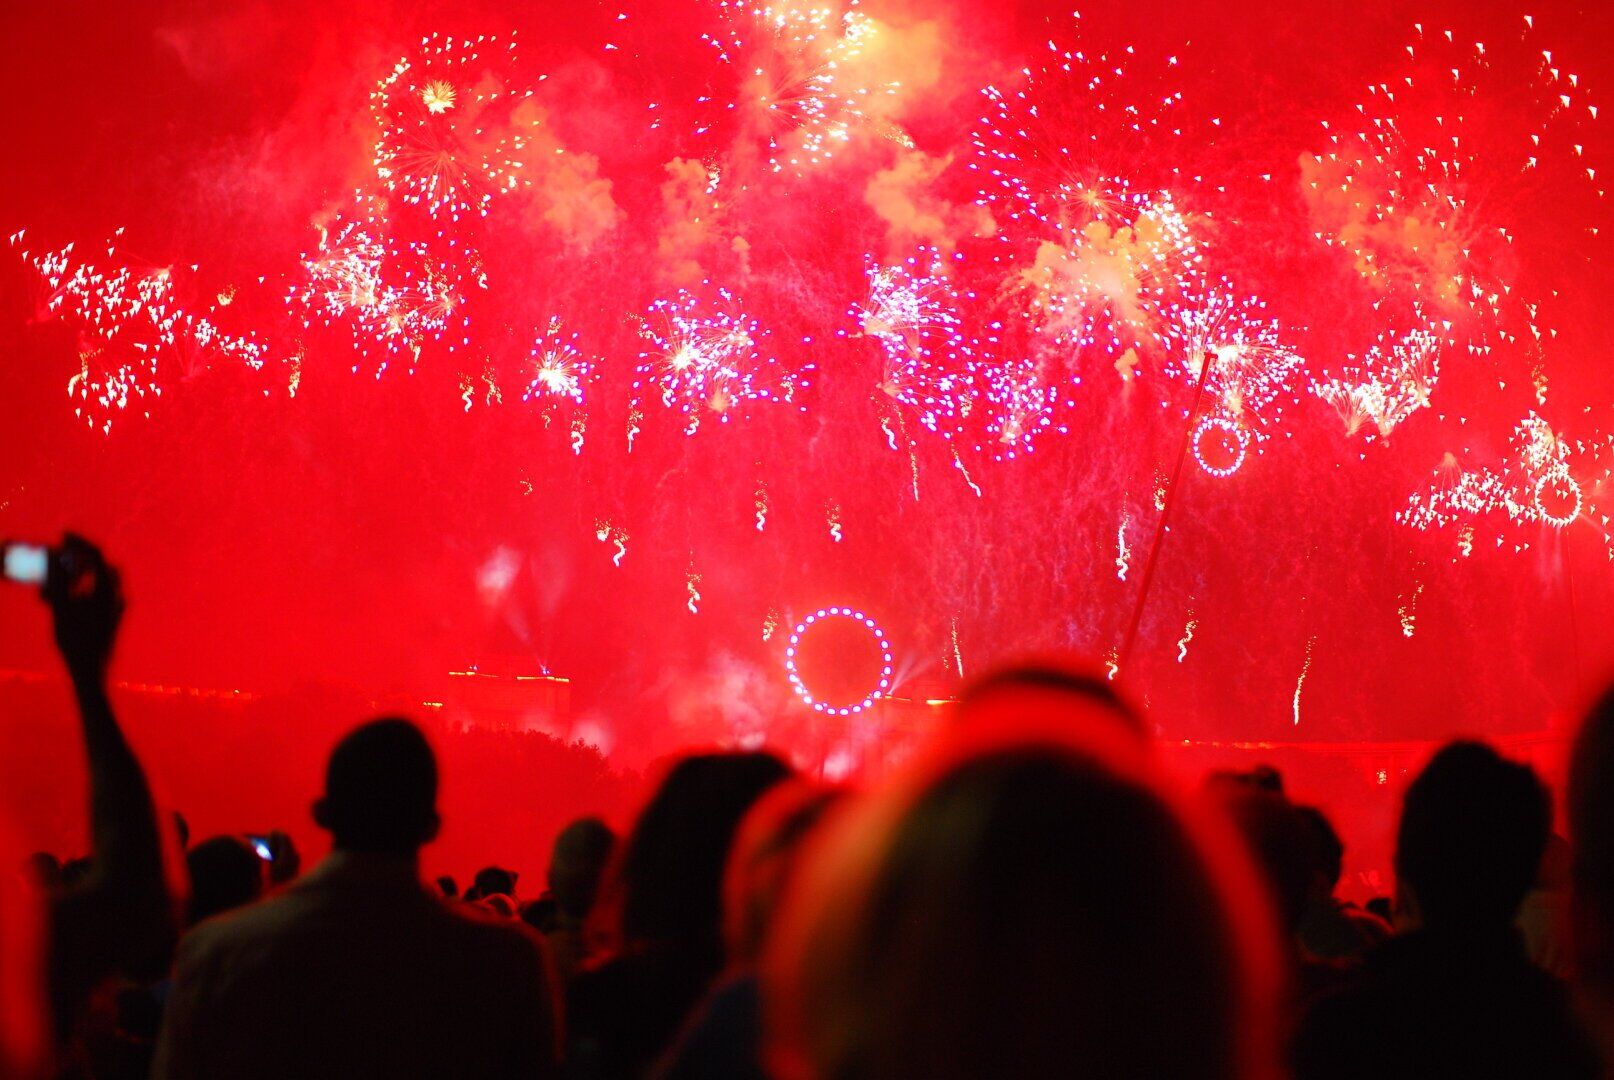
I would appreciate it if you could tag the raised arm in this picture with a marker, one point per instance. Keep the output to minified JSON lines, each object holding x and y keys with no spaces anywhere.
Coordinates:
{"x":120,"y":919}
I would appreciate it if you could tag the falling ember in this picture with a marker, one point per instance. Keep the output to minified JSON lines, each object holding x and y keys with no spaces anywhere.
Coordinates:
{"x":635,"y":418}
{"x":1408,"y":612}
{"x":959,"y":463}
{"x":762,"y":507}
{"x":692,"y":582}
{"x":1187,"y":636}
{"x":1300,"y":683}
{"x":832,"y":512}
{"x":1123,"y":553}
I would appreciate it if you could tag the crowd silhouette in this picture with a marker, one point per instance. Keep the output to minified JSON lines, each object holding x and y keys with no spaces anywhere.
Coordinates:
{"x":1032,"y":894}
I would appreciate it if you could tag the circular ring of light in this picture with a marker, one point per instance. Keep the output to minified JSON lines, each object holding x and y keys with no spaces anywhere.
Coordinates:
{"x":1559,"y":520}
{"x":801,"y":688}
{"x":1228,"y":427}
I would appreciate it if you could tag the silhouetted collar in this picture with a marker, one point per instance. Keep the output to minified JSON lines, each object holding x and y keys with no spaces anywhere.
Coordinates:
{"x":359,"y":868}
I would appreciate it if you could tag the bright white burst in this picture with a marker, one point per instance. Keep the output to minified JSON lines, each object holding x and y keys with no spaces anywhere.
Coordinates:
{"x":559,"y":370}
{"x":707,"y":357}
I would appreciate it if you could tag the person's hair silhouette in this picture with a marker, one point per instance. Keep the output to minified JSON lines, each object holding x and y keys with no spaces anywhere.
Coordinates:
{"x":381,"y":790}
{"x":1473,"y":827}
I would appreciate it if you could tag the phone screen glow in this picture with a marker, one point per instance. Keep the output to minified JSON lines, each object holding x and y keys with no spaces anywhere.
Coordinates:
{"x":27,"y":563}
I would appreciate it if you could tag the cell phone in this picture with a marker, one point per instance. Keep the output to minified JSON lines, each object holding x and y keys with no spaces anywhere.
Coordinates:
{"x":27,"y":564}
{"x":260,"y":844}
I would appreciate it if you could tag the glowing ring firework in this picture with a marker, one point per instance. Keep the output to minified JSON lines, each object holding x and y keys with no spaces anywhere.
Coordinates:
{"x":1571,"y":491}
{"x":1225,"y":427}
{"x":801,"y":688}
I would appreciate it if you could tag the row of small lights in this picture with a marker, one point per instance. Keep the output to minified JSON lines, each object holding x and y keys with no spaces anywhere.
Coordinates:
{"x":1217,"y":423}
{"x":885,"y":661}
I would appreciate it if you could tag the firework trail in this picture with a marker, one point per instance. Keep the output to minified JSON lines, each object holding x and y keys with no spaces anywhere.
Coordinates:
{"x":692,"y":585}
{"x":1407,"y":613}
{"x":1123,"y":553}
{"x":1187,"y":636}
{"x":1300,"y":683}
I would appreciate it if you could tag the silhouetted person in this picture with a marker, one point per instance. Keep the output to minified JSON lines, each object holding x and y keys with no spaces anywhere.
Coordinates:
{"x":577,"y":863}
{"x":723,"y":1037}
{"x":668,"y":944}
{"x":1025,"y":900}
{"x":226,"y":873}
{"x":1331,"y":928}
{"x":1591,"y":837}
{"x":1455,"y":995}
{"x":1286,"y":852}
{"x":357,"y":970}
{"x":108,"y":914}
{"x":492,"y":881}
{"x":112,"y":913}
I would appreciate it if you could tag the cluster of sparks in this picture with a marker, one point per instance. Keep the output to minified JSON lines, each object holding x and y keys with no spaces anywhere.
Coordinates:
{"x":436,"y":112}
{"x":707,"y":357}
{"x":791,"y":59}
{"x":1391,"y":381}
{"x":131,"y":328}
{"x":1547,"y":480}
{"x":1099,"y":268}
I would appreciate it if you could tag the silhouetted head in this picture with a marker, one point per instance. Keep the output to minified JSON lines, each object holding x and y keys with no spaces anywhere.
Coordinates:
{"x":225,"y":873}
{"x":1591,"y":835}
{"x":1282,"y":844}
{"x":1473,"y":827}
{"x":381,"y":790}
{"x":492,"y":881}
{"x":1035,"y":903}
{"x":577,"y":862}
{"x":671,"y":872}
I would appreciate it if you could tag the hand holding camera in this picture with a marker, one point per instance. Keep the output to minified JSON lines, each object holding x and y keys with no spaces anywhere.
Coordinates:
{"x":84,"y":594}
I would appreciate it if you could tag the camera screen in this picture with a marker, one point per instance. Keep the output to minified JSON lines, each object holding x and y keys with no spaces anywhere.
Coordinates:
{"x":27,"y":563}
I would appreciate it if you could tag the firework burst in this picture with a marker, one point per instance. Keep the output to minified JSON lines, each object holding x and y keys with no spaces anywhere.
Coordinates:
{"x":796,"y":94}
{"x":1391,"y":381}
{"x":708,"y":358}
{"x":445,"y":140}
{"x":1547,"y":481}
{"x":130,"y":325}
